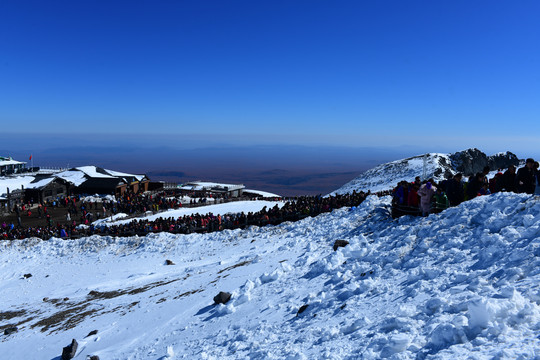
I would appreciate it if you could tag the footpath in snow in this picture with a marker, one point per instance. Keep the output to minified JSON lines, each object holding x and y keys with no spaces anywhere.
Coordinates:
{"x":461,"y":284}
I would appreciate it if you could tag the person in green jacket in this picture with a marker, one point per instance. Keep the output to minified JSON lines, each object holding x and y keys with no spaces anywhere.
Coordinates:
{"x":441,"y":201}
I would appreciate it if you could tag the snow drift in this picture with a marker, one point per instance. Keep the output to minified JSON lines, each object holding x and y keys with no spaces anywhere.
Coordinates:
{"x":460,"y":284}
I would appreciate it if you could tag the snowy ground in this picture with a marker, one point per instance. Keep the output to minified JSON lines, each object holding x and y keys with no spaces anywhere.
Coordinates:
{"x":217,"y":209}
{"x":462,"y":284}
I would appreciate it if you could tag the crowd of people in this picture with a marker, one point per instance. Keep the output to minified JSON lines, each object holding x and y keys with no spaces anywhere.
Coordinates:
{"x":293,"y":209}
{"x":425,"y":197}
{"x":409,"y":198}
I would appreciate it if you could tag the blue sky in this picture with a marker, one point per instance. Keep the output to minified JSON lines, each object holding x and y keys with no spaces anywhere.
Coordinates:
{"x":446,"y":75}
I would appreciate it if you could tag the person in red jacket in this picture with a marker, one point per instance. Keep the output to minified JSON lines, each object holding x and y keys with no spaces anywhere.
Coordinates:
{"x":413,"y":200}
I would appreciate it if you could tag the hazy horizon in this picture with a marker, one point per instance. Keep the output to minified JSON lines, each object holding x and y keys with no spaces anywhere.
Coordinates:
{"x":285,"y":169}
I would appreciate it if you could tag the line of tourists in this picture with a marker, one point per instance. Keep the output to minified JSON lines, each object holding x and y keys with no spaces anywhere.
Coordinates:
{"x":292,"y":210}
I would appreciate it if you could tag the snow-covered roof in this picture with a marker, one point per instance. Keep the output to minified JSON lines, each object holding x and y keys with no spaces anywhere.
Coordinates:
{"x":75,"y":177}
{"x":93,"y":171}
{"x":40,"y":183}
{"x":262,"y":193}
{"x":4,"y":161}
{"x":206,"y":185}
{"x":139,"y":177}
{"x":14,"y":183}
{"x":80,"y":174}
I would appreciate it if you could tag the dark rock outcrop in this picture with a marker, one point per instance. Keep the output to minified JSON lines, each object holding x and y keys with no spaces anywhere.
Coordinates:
{"x":472,"y":161}
{"x":169,"y":262}
{"x":10,"y":330}
{"x":222,"y":298}
{"x":502,"y":160}
{"x":69,"y":351}
{"x":302,"y":309}
{"x":93,"y":332}
{"x":26,"y":276}
{"x":340,"y":243}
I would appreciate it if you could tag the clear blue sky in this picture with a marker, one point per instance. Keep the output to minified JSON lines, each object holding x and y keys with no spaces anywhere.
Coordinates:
{"x":450,"y":74}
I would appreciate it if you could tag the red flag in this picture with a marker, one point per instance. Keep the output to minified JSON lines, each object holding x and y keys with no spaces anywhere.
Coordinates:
{"x":30,"y":157}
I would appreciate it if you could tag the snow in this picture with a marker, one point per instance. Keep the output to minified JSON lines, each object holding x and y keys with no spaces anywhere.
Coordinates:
{"x":122,"y":174}
{"x":386,"y":176}
{"x":98,"y":198}
{"x":14,"y":183}
{"x":79,"y":175}
{"x":40,"y":183}
{"x":264,"y":194}
{"x":217,"y":209}
{"x":203,"y":185}
{"x":461,"y":284}
{"x":73,"y":176}
{"x":91,"y":171}
{"x":9,"y":161}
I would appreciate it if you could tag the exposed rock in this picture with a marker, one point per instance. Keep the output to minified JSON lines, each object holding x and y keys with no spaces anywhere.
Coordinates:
{"x":69,"y":351}
{"x":93,"y":357}
{"x":340,"y":243}
{"x":502,"y":160}
{"x":26,"y":276}
{"x":472,"y":161}
{"x":302,"y":309}
{"x":469,"y":161}
{"x":93,"y":332}
{"x":222,"y":298}
{"x":10,"y":330}
{"x":169,"y":262}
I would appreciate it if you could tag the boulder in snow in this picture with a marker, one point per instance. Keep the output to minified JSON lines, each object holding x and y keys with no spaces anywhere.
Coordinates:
{"x":222,"y":298}
{"x":69,"y":351}
{"x":93,"y":332}
{"x":10,"y":330}
{"x":302,"y":309}
{"x":340,"y":243}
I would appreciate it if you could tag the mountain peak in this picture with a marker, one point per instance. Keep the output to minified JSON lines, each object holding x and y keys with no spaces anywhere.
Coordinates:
{"x":431,"y":165}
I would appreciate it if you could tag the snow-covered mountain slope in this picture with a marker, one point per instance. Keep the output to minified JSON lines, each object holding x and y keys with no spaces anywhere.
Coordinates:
{"x":461,"y":284}
{"x":432,"y":165}
{"x":386,"y":176}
